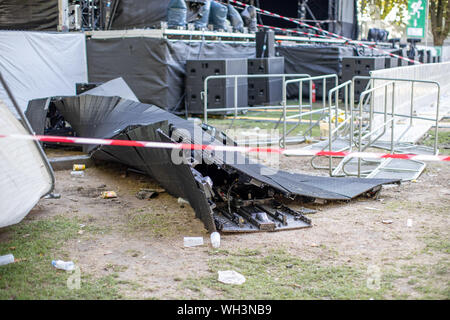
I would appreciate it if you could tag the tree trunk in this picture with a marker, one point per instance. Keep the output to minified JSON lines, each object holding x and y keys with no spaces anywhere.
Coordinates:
{"x":438,"y":40}
{"x":440,"y":20}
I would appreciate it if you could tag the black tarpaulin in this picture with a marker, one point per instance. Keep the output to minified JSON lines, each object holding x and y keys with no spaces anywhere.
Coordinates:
{"x":36,"y":113}
{"x":113,"y":117}
{"x":29,"y":14}
{"x":139,"y":14}
{"x":178,"y":180}
{"x":341,"y":15}
{"x":117,"y":118}
{"x":314,"y":60}
{"x":154,"y":68}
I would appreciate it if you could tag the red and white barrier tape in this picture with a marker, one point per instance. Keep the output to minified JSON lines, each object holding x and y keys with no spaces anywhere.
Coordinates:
{"x":334,"y":35}
{"x":294,"y":31}
{"x":188,"y":146}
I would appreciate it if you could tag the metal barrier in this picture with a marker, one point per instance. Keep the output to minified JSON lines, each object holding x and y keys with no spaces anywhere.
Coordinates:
{"x":411,"y":115}
{"x":236,"y":109}
{"x":371,"y":130}
{"x":347,"y":96}
{"x":359,"y":127}
{"x":415,"y":95}
{"x":301,"y":106}
{"x":367,"y":128}
{"x":301,"y":78}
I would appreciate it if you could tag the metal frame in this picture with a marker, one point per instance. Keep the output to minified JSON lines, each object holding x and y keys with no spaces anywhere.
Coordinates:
{"x":365,"y":139}
{"x":301,"y":78}
{"x":236,"y":109}
{"x":355,"y":118}
{"x":411,"y":116}
{"x":214,"y":36}
{"x":301,"y":113}
{"x":372,"y":130}
{"x":347,"y":86}
{"x":236,"y":77}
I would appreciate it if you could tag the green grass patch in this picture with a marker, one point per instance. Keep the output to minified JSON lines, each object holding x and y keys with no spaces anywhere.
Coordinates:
{"x":279,"y":275}
{"x":264,"y":123}
{"x":429,"y":281}
{"x":436,"y":242}
{"x":224,"y":124}
{"x":443,"y":140}
{"x":35,"y":244}
{"x":157,"y":220}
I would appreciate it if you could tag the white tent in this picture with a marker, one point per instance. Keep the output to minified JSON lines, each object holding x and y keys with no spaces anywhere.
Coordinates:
{"x":24,"y":176}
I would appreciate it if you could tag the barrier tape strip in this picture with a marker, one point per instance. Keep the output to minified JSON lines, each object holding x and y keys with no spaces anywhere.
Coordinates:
{"x":294,"y":31}
{"x":188,"y":146}
{"x":303,"y":24}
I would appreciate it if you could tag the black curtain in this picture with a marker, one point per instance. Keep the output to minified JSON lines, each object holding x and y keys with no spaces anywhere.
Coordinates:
{"x":343,"y":12}
{"x":29,"y":14}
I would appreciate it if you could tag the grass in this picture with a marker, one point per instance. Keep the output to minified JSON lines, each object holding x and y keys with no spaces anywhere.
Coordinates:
{"x":224,"y":123}
{"x":443,"y":140}
{"x":35,"y":244}
{"x":161,"y":221}
{"x":436,"y":243}
{"x":429,"y":281}
{"x":279,"y":275}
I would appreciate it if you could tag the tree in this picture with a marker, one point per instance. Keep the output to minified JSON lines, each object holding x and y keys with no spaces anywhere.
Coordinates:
{"x":439,"y":14}
{"x":440,"y":20}
{"x":384,"y":7}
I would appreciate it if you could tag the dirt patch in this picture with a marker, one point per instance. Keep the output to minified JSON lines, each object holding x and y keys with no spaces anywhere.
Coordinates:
{"x":141,"y":241}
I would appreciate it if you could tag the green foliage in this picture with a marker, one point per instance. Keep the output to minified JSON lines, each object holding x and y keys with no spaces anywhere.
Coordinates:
{"x":439,"y":14}
{"x":384,"y":7}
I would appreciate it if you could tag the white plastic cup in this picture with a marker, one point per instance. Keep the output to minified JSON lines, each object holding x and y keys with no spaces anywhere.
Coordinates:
{"x":193,"y":241}
{"x":409,"y":223}
{"x":215,"y":240}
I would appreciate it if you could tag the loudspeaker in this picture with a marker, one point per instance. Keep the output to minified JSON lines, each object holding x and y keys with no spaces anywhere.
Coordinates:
{"x":391,"y":62}
{"x":265,"y":44}
{"x":219,"y":97}
{"x":265,"y":90}
{"x":402,"y":52}
{"x":429,"y":57}
{"x":361,"y":66}
{"x":220,"y":91}
{"x":198,"y":70}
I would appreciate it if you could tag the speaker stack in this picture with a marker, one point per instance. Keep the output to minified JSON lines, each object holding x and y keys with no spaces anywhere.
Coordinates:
{"x":360,"y":66}
{"x":220,"y":91}
{"x":265,"y":90}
